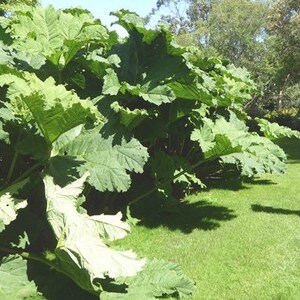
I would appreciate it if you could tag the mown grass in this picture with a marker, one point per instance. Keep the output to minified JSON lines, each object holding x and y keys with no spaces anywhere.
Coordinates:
{"x":235,"y":242}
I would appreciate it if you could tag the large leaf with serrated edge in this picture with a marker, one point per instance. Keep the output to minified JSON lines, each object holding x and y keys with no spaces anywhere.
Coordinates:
{"x":81,"y":250}
{"x":234,"y":144}
{"x":275,"y":131}
{"x":156,"y":94}
{"x":14,"y":282}
{"x":162,"y":278}
{"x":107,"y":160}
{"x":158,"y":279}
{"x":10,"y":204}
{"x":111,"y":83}
{"x":9,"y":207}
{"x":54,"y":109}
{"x":53,"y":34}
{"x":129,"y":118}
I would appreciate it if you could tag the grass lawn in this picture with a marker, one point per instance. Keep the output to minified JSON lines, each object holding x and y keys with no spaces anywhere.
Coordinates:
{"x":234,"y":242}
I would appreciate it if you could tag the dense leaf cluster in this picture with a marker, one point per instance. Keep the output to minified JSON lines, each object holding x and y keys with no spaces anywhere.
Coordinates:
{"x":88,"y":119}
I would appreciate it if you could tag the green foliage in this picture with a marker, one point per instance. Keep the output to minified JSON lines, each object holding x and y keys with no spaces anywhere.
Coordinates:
{"x":234,"y":144}
{"x":232,"y":29}
{"x":275,"y":131}
{"x":88,"y":120}
{"x":281,"y":60}
{"x":7,"y":5}
{"x":10,"y":204}
{"x":14,"y":283}
{"x":293,"y":96}
{"x":8,"y":209}
{"x":108,"y":171}
{"x":169,"y":280}
{"x":157,"y":279}
{"x":283,"y":25}
{"x":285,"y":117}
{"x":76,"y":232}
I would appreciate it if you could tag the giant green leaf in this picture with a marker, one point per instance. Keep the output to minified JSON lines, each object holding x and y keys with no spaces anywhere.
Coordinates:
{"x":234,"y":144}
{"x":54,"y":109}
{"x":130,"y":21}
{"x":129,"y":118}
{"x":9,"y":207}
{"x":10,"y":204}
{"x":223,"y":146}
{"x":5,"y":55}
{"x":37,"y":30}
{"x":65,"y":138}
{"x":107,"y":161}
{"x":33,"y":145}
{"x":162,"y":277}
{"x":53,"y":34}
{"x":204,"y":136}
{"x":55,"y":120}
{"x":275,"y":131}
{"x":111,"y":83}
{"x":14,"y":282}
{"x":55,"y":285}
{"x":159,"y":278}
{"x":216,"y":138}
{"x":187,"y":89}
{"x":157,"y":94}
{"x":80,"y":249}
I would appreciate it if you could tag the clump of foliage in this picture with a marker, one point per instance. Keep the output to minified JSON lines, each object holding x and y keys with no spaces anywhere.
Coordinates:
{"x":289,"y":117}
{"x":87,"y":118}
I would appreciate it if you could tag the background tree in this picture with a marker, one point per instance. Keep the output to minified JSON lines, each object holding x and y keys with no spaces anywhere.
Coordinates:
{"x":284,"y":51}
{"x":232,"y":29}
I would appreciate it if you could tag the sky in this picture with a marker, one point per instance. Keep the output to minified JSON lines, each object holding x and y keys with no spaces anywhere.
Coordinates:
{"x":101,"y":8}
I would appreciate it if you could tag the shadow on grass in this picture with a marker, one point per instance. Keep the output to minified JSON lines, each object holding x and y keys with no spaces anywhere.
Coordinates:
{"x":273,"y":210}
{"x":185,"y":216}
{"x":258,"y":181}
{"x":291,"y":147}
{"x":237,"y":184}
{"x":229,"y":183}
